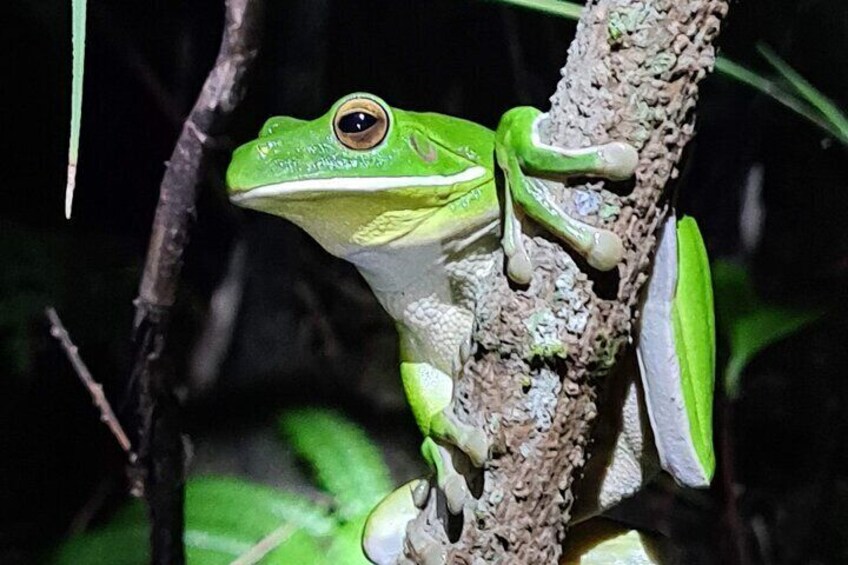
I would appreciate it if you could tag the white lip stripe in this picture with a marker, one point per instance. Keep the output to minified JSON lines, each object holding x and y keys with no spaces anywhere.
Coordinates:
{"x":357,"y":184}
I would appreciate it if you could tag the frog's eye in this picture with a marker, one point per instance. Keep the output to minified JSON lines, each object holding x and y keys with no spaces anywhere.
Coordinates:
{"x":361,"y":123}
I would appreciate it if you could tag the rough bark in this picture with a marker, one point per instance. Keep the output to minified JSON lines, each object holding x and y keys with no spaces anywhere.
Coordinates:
{"x":161,"y":461}
{"x":632,"y":74}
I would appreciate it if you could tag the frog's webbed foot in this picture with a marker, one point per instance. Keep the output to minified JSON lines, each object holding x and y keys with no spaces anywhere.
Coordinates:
{"x":520,"y":151}
{"x":385,"y":528}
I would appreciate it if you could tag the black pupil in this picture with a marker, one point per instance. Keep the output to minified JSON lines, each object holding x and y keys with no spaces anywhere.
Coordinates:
{"x":356,"y":122}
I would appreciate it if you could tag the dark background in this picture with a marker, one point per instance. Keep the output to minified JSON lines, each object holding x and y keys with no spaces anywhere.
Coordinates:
{"x":307,"y":329}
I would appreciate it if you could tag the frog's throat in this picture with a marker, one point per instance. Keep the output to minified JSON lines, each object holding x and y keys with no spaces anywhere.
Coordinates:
{"x":356,"y":184}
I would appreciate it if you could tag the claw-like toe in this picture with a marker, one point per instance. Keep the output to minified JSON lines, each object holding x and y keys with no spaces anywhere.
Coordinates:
{"x":606,"y":251}
{"x":619,"y":160}
{"x":475,"y":444}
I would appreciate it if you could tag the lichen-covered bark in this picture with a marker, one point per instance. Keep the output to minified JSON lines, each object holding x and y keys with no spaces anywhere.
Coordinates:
{"x":632,"y":74}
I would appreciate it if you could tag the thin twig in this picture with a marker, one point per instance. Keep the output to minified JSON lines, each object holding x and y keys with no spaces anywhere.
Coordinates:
{"x":107,"y":416}
{"x":265,"y":545}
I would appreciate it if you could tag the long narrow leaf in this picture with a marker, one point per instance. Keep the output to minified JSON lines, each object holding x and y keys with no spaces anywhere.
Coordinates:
{"x":769,"y":88}
{"x":78,"y":9}
{"x":559,"y":8}
{"x":812,"y":95}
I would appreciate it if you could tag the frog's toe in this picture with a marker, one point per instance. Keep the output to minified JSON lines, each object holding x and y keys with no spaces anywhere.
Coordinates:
{"x":449,"y":480}
{"x":385,"y":529}
{"x":456,"y":493}
{"x":519,"y":268}
{"x":475,"y":444}
{"x":619,"y":160}
{"x":426,"y":550}
{"x":470,"y":440}
{"x":606,"y":250}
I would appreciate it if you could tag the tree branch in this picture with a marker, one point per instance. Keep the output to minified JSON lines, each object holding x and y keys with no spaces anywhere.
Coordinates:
{"x":161,"y":453}
{"x":632,"y":74}
{"x":107,"y":415}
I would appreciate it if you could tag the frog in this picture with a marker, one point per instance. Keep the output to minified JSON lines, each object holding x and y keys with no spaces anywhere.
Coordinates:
{"x":406,"y":197}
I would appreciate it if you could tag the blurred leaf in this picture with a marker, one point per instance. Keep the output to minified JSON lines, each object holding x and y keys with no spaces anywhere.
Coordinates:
{"x":827,"y":109}
{"x":346,"y":548}
{"x":224,"y":519}
{"x":775,"y":92}
{"x":748,"y":324}
{"x":347,"y":464}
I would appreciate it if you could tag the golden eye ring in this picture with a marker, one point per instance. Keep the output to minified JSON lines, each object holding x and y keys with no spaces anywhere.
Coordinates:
{"x":361,"y":123}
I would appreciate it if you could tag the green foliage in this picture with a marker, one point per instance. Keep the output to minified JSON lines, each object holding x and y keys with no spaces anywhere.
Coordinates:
{"x":346,"y":463}
{"x":226,"y":518}
{"x":747,"y":323}
{"x":78,"y":9}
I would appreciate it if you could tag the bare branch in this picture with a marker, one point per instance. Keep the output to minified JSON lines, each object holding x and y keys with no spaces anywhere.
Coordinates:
{"x":107,"y":415}
{"x":161,"y":448}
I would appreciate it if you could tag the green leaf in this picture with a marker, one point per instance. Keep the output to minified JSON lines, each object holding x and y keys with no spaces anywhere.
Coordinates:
{"x":78,"y":9}
{"x":828,"y":110}
{"x":346,"y":463}
{"x":748,"y":324}
{"x":570,"y":10}
{"x":225,"y":518}
{"x":776,"y":93}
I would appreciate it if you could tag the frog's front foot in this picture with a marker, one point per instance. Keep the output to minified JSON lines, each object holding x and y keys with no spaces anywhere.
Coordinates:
{"x":430,"y":393}
{"x":617,"y":160}
{"x":524,"y":158}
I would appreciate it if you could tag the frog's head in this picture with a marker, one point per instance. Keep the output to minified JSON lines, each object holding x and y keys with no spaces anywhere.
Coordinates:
{"x":365,"y":175}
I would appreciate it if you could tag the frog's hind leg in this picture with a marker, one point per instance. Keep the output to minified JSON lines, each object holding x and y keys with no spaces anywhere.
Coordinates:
{"x":430,"y":392}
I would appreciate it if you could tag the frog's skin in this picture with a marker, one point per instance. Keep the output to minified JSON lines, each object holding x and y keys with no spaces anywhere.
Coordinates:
{"x":410,"y":199}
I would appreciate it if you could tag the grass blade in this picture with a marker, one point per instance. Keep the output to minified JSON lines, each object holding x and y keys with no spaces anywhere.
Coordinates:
{"x":78,"y":9}
{"x":812,"y":95}
{"x":559,"y":8}
{"x":769,"y":88}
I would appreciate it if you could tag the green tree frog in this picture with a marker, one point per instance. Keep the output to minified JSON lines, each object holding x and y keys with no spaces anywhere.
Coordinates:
{"x":407,"y":198}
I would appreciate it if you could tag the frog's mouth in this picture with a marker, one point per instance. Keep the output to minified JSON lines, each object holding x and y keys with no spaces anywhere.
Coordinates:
{"x":336,"y":185}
